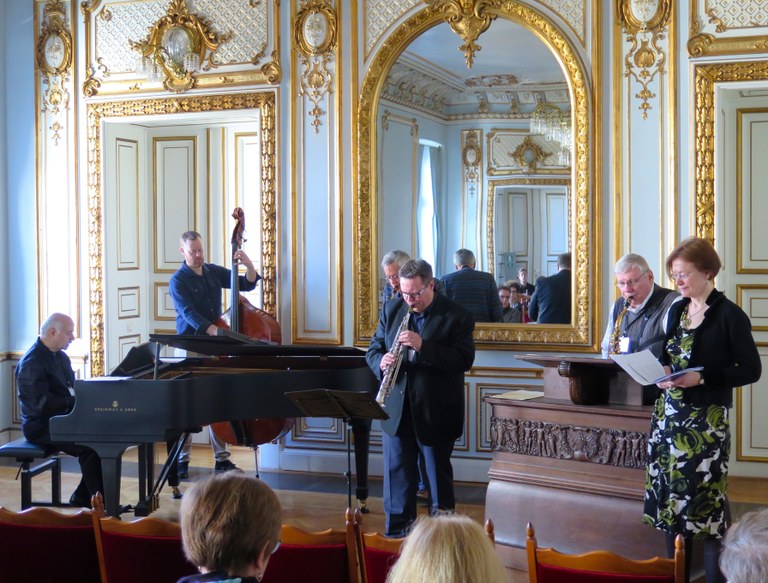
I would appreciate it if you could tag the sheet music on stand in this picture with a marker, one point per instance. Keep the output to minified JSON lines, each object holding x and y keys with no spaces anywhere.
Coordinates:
{"x":339,"y":405}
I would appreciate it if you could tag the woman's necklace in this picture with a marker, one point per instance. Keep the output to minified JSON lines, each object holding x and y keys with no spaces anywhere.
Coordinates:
{"x":686,"y":321}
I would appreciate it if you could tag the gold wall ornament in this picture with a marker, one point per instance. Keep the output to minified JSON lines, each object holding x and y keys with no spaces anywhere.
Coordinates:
{"x":98,"y":112}
{"x":645,"y":23}
{"x":315,"y":37}
{"x":54,"y":57}
{"x":705,"y":80}
{"x":178,"y":45}
{"x":586,"y":231}
{"x":472,"y":159}
{"x":529,"y":155}
{"x":704,"y":43}
{"x":469,"y":19}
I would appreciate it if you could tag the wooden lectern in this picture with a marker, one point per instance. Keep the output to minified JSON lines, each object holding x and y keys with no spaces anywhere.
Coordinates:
{"x":572,"y":462}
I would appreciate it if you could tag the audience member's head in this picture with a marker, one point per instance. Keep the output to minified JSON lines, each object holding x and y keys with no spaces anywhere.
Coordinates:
{"x":744,"y":558}
{"x":504,"y":295}
{"x":464,"y":258}
{"x":391,"y":264}
{"x":230,"y":522}
{"x":522,"y":275}
{"x":564,"y":261}
{"x":448,"y":549}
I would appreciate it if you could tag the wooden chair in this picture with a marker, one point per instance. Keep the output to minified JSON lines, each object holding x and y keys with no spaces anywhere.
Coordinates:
{"x":148,"y":549}
{"x":40,"y":544}
{"x":329,"y":556}
{"x":550,"y":566}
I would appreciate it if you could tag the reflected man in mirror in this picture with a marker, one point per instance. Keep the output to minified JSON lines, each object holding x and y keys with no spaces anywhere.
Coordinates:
{"x":473,"y":289}
{"x":391,"y":264}
{"x":510,"y":314}
{"x":522,"y":276}
{"x":425,"y":403}
{"x":196,"y":291}
{"x":551,"y":302}
{"x":46,"y":387}
{"x":637,"y":319}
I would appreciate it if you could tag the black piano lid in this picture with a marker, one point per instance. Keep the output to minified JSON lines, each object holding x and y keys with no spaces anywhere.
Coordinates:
{"x":236,"y":345}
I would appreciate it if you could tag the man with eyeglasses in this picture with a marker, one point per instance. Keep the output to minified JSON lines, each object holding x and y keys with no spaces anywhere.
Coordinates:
{"x":426,"y":403}
{"x":391,"y":264}
{"x":641,"y":325}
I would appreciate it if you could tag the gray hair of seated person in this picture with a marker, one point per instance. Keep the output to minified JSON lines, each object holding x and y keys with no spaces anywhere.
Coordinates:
{"x":395,"y":256}
{"x":464,"y":257}
{"x":631,"y":261}
{"x":744,"y":557}
{"x":448,"y":549}
{"x":416,"y":268}
{"x":55,"y":320}
{"x":228,"y":520}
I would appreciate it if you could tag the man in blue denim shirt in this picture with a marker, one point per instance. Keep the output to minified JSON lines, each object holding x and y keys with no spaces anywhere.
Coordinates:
{"x":196,"y":291}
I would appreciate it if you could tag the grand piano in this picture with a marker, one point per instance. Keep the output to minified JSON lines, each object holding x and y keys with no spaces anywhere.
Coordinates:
{"x":147,"y":398}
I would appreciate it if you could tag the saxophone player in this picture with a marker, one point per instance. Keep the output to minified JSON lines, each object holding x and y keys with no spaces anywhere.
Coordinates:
{"x":426,"y":401}
{"x":636,"y":321}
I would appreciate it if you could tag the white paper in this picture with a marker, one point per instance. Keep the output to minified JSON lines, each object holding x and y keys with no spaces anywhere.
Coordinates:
{"x":645,"y":369}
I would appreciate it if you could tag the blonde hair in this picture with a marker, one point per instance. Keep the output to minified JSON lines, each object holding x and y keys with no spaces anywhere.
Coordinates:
{"x":227,"y":520}
{"x":448,"y":549}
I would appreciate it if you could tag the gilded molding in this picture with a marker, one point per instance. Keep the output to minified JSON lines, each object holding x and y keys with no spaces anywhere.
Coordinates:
{"x":96,"y":112}
{"x":469,"y":19}
{"x":705,"y":78}
{"x":703,"y":43}
{"x":54,"y":61}
{"x":490,"y":220}
{"x":472,"y":160}
{"x":645,"y":58}
{"x":585,"y":232}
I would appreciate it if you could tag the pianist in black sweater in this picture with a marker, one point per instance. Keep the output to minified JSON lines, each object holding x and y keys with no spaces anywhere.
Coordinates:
{"x":45,"y":382}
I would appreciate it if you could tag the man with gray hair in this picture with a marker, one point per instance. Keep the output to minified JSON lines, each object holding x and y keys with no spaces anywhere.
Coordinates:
{"x":637,"y":319}
{"x":744,"y":558}
{"x":391,"y":264}
{"x":473,"y":289}
{"x":45,"y":383}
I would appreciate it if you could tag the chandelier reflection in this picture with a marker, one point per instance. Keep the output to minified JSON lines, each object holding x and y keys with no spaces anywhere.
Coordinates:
{"x":177,"y":46}
{"x":555,"y":125}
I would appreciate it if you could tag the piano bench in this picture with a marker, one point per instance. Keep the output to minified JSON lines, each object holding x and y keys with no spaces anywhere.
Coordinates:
{"x":26,"y":454}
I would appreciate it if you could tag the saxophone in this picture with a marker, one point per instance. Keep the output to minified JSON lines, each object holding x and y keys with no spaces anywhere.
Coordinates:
{"x":616,"y":334}
{"x":398,"y":351}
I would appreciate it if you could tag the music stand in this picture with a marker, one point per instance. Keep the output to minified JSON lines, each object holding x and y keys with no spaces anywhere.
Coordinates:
{"x":339,"y":405}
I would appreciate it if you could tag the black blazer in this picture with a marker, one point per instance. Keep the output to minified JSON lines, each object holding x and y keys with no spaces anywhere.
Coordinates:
{"x":723,"y":345}
{"x":435,"y":377}
{"x":551,"y":302}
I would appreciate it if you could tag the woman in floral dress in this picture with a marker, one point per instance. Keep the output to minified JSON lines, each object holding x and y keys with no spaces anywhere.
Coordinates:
{"x":689,"y":445}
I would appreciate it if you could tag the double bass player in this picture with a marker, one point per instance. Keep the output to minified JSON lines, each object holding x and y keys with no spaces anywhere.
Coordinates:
{"x":196,"y":289}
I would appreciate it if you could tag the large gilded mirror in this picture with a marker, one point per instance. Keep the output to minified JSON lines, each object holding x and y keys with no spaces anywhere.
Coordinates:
{"x":515,"y":194}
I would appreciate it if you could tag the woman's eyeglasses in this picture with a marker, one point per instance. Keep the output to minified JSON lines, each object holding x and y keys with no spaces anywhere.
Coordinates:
{"x":277,"y":546}
{"x":681,"y":275}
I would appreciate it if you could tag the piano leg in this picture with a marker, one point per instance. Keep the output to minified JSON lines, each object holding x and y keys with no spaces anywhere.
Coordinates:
{"x":361,"y":431}
{"x":111,"y":455}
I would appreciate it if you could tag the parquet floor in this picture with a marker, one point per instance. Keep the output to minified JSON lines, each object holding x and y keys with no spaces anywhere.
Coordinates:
{"x":310,"y":501}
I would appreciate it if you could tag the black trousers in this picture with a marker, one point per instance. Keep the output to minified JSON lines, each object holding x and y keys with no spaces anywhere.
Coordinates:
{"x":90,"y":466}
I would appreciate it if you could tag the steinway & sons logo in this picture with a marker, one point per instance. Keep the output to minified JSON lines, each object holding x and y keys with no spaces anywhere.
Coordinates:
{"x":115,"y":408}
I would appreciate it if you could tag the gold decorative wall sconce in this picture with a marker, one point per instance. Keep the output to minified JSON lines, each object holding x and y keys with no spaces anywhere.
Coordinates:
{"x":315,"y":37}
{"x":177,"y":46}
{"x":644,"y":22}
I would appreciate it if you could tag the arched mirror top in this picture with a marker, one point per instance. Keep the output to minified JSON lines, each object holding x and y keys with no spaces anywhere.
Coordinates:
{"x":576,"y":179}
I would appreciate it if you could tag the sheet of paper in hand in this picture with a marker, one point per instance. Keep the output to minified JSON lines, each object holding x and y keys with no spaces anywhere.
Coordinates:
{"x":645,"y":369}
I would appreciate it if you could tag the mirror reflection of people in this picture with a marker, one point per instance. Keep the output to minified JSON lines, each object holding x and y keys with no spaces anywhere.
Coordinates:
{"x":448,"y":549}
{"x":689,"y":444}
{"x":196,"y":292}
{"x":510,"y":314}
{"x":522,"y":277}
{"x":641,"y":325}
{"x":475,"y":290}
{"x":745,"y":549}
{"x":230,"y":527}
{"x":45,"y":383}
{"x":551,"y":301}
{"x":426,"y":402}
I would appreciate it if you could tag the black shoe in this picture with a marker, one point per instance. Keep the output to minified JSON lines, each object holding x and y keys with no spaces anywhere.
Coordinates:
{"x":226,"y":466}
{"x":175,"y":492}
{"x":76,"y":500}
{"x":183,"y":470}
{"x":123,"y":508}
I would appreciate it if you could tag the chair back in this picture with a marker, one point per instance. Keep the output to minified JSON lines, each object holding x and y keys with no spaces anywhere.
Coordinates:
{"x":40,"y":544}
{"x":547,"y":565}
{"x":147,"y":550}
{"x":329,"y":556}
{"x":376,"y":553}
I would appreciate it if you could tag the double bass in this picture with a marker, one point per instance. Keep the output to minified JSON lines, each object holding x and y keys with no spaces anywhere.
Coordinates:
{"x":245,"y":318}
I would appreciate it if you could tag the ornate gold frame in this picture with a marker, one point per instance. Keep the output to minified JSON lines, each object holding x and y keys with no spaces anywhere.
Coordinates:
{"x":705,"y":78}
{"x":54,"y":26}
{"x":100,"y":112}
{"x":585,"y":230}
